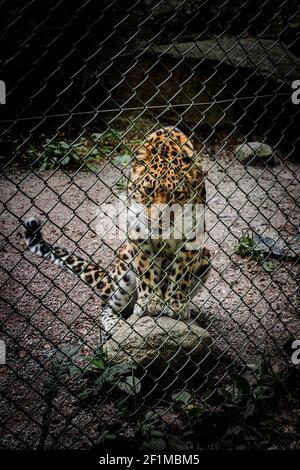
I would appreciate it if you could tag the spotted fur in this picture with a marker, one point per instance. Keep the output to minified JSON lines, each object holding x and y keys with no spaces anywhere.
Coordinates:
{"x":149,"y":276}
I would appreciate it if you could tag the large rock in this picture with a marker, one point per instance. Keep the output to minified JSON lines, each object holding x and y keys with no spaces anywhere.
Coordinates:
{"x":251,"y":152}
{"x":267,"y":57}
{"x":166,"y":348}
{"x":211,"y":83}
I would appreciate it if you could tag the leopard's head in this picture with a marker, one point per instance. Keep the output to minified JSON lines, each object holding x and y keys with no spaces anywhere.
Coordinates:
{"x":165,"y":173}
{"x":165,"y":170}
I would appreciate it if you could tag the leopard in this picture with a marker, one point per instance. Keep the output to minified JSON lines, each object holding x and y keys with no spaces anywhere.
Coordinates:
{"x":150,"y":275}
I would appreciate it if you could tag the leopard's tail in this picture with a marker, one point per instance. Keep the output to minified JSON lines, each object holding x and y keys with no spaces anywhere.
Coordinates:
{"x":88,"y":272}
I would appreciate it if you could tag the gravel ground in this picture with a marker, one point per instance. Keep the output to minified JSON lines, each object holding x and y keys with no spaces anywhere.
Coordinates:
{"x":249,"y":312}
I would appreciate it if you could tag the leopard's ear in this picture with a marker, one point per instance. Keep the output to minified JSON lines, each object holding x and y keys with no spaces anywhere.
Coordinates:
{"x":140,"y":152}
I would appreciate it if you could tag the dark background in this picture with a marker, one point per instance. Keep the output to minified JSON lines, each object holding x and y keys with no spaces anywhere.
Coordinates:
{"x":53,"y":52}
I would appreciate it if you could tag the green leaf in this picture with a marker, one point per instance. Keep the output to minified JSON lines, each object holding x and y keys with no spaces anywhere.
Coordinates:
{"x":121,"y":369}
{"x":150,"y":418}
{"x":234,"y":431}
{"x":106,"y":436}
{"x":121,"y":184}
{"x":174,"y":442}
{"x":125,"y":387}
{"x":262,"y":392}
{"x":182,"y":396}
{"x":70,"y":349}
{"x":210,"y":396}
{"x":122,"y":160}
{"x":268,"y":266}
{"x":156,"y":433}
{"x":91,"y":167}
{"x":63,"y":144}
{"x":135,"y":383}
{"x":242,"y":384}
{"x":249,"y":410}
{"x":86,"y":394}
{"x":97,"y":135}
{"x":225,"y":393}
{"x":130,"y":385}
{"x":44,"y":166}
{"x":245,"y":246}
{"x":74,"y":370}
{"x":156,"y":443}
{"x":65,"y":161}
{"x":98,"y":363}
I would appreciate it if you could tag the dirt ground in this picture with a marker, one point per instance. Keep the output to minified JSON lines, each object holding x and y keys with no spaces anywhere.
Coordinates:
{"x":248,"y":311}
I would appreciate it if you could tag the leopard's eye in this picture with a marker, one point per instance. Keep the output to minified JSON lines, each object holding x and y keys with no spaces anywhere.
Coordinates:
{"x":148,"y":190}
{"x":186,"y":159}
{"x":177,"y":194}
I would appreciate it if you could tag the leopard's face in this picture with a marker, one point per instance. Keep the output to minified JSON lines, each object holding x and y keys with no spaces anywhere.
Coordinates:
{"x":165,"y":172}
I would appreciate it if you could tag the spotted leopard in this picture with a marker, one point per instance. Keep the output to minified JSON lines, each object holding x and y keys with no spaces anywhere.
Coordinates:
{"x":152,"y":275}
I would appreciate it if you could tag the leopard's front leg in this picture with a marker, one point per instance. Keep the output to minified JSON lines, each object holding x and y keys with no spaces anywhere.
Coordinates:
{"x":188,"y":272}
{"x":148,"y":270}
{"x":117,"y":294}
{"x":177,"y":295}
{"x":179,"y":282}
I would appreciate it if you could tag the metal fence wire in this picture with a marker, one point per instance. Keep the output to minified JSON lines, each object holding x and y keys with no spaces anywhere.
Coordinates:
{"x":84,"y":85}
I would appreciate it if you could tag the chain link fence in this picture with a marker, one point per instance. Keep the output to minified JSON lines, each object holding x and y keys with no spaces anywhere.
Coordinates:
{"x":84,"y":84}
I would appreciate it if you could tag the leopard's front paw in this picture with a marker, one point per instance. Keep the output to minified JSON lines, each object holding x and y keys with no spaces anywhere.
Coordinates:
{"x":153,"y":307}
{"x":177,"y":309}
{"x":139,"y":310}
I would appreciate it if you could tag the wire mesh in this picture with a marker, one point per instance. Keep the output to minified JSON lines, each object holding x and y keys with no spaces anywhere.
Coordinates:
{"x":85,"y":83}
